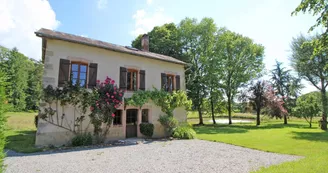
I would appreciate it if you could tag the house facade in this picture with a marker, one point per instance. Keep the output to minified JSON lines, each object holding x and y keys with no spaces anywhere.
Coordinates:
{"x":90,"y":60}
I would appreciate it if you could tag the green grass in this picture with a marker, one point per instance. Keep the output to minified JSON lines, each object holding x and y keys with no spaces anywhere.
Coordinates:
{"x":20,"y":132}
{"x":296,"y":138}
{"x":194,"y":115}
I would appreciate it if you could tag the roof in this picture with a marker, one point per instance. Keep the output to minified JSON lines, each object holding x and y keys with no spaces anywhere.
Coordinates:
{"x":46,"y":33}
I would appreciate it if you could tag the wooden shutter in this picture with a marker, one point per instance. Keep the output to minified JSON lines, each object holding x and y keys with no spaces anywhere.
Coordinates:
{"x":163,"y":81}
{"x":142,"y":85}
{"x":177,"y":81}
{"x":63,"y":75}
{"x":123,"y":78}
{"x":93,"y":68}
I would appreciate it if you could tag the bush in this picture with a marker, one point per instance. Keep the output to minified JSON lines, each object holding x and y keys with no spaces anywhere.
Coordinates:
{"x":184,"y":132}
{"x":169,"y":122}
{"x":147,"y":129}
{"x":82,"y":140}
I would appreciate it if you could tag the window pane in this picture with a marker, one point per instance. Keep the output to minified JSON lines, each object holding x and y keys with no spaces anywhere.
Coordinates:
{"x":75,"y":74}
{"x":83,"y":76}
{"x":82,"y":83}
{"x":134,"y":78}
{"x":144,"y":115}
{"x":75,"y":67}
{"x":83,"y":68}
{"x":73,"y":81}
{"x":129,"y":81}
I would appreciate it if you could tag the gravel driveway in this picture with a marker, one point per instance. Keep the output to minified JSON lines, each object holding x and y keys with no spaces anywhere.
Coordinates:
{"x":169,"y":156}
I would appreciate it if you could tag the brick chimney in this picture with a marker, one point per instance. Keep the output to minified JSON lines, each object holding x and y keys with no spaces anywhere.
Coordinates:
{"x":145,"y":42}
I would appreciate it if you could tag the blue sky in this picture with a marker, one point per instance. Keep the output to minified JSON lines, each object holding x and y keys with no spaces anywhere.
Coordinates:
{"x":267,"y":22}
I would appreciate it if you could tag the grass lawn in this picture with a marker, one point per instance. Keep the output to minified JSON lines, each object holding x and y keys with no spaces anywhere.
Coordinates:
{"x":20,"y":132}
{"x":296,"y":138}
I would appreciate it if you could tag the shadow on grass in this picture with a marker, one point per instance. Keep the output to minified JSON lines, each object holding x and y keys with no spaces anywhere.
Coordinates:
{"x":311,"y":136}
{"x":21,"y":141}
{"x":241,"y":128}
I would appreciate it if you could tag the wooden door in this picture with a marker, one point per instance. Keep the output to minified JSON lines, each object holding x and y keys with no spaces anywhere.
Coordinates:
{"x":131,"y":123}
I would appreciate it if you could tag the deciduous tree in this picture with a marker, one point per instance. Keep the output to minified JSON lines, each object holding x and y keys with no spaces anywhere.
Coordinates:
{"x":312,"y":67}
{"x":240,"y":60}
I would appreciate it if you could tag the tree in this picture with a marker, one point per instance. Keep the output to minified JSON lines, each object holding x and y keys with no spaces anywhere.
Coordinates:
{"x":312,"y":67}
{"x":240,"y":60}
{"x":198,"y":41}
{"x":315,"y":7}
{"x":307,"y":107}
{"x":34,"y":84}
{"x":16,"y":69}
{"x":163,"y":40}
{"x":257,"y":94}
{"x":2,"y":117}
{"x":287,"y":86}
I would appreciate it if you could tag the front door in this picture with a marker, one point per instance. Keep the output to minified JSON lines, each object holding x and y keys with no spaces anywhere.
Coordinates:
{"x":131,"y":123}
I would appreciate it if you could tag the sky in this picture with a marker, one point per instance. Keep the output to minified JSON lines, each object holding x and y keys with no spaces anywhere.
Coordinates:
{"x":267,"y":22}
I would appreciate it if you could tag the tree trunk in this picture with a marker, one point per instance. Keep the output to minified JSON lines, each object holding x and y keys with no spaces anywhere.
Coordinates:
{"x":229,"y":108}
{"x":324,"y":112}
{"x":285,"y":118}
{"x":212,"y":109}
{"x":200,"y":116}
{"x":258,"y":121}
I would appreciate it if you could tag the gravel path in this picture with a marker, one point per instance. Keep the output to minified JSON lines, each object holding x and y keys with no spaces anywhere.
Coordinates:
{"x":169,"y":156}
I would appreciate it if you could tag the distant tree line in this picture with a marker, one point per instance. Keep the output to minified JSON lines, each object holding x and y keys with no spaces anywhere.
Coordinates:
{"x":23,"y":77}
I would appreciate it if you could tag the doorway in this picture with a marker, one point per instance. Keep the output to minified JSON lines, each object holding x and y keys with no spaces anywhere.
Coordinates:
{"x":131,"y":123}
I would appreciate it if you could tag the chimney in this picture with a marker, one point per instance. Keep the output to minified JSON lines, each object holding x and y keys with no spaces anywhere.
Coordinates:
{"x":145,"y":42}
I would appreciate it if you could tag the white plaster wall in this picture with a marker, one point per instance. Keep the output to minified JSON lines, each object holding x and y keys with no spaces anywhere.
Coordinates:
{"x":109,"y":64}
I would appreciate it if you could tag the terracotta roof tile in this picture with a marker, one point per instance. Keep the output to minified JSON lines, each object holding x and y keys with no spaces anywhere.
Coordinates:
{"x":46,"y":33}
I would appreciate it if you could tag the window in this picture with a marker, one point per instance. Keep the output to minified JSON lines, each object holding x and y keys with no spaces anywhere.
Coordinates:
{"x":144,"y":115}
{"x":132,"y":80}
{"x":118,"y":117}
{"x":79,"y":72}
{"x":169,"y":82}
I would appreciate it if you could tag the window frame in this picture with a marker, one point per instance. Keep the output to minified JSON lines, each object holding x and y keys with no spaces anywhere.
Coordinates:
{"x":173,"y":82}
{"x":121,"y":117}
{"x":142,"y":111}
{"x":79,"y":63}
{"x":129,"y":88}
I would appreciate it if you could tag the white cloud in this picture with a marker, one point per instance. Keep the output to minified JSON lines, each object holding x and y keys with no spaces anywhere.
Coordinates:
{"x":20,"y":19}
{"x":149,"y":2}
{"x":102,"y":4}
{"x":145,"y":21}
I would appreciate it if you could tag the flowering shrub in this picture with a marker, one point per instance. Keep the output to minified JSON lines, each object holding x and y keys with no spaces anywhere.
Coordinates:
{"x":275,"y":104}
{"x":107,"y":97}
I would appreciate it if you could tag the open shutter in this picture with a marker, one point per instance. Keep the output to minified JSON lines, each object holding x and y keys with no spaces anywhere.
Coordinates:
{"x":123,"y":78}
{"x":163,"y":81}
{"x":63,"y":75}
{"x":177,"y":81}
{"x":93,"y":68}
{"x":142,"y":85}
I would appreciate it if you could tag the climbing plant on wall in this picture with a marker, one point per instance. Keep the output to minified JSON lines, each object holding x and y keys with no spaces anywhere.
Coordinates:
{"x":103,"y":100}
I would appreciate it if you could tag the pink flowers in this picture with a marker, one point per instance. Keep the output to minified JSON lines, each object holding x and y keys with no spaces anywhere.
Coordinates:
{"x":113,"y":115}
{"x":92,"y":108}
{"x":115,"y":92}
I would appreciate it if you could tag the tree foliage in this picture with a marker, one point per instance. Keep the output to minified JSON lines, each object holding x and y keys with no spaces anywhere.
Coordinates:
{"x":315,"y":7}
{"x":24,"y":77}
{"x":311,"y":66}
{"x":307,"y":107}
{"x":286,"y":85}
{"x":2,"y":117}
{"x":240,"y":61}
{"x":257,"y":94}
